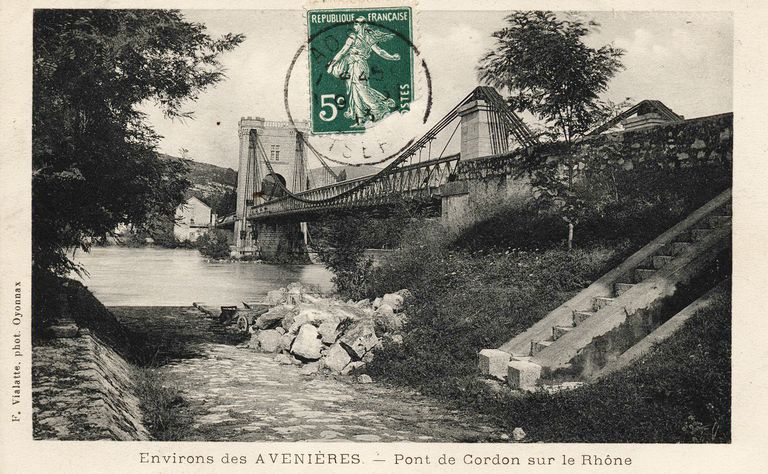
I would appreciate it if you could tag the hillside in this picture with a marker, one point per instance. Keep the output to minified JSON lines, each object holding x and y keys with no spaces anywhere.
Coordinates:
{"x":351,"y":172}
{"x":210,"y":183}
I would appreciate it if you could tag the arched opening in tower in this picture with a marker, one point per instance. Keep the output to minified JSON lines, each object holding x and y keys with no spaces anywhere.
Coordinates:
{"x":270,"y":188}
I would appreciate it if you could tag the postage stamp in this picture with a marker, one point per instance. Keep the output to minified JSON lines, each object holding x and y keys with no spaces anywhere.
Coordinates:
{"x":360,"y":67}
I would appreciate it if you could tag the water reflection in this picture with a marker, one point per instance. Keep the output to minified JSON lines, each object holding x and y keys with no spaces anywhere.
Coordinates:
{"x":122,"y":276}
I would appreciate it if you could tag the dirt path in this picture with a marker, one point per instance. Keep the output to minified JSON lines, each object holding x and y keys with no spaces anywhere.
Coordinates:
{"x":237,"y":394}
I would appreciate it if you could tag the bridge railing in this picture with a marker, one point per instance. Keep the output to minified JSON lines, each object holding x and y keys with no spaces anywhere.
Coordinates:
{"x":408,"y":181}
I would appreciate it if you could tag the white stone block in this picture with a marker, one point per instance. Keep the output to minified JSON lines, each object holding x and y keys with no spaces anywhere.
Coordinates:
{"x":523,"y":374}
{"x":493,"y":362}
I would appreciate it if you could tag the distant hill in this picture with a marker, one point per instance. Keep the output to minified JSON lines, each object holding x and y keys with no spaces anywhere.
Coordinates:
{"x":352,"y":172}
{"x":210,"y":183}
{"x":206,"y":173}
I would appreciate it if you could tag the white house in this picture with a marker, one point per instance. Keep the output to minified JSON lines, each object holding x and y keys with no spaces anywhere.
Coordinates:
{"x":193,"y":219}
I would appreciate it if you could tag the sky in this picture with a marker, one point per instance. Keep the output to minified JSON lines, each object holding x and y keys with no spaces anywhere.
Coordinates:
{"x":684,"y":59}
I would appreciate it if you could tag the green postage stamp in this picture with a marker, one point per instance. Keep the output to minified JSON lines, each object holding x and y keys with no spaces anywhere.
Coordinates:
{"x":360,"y":67}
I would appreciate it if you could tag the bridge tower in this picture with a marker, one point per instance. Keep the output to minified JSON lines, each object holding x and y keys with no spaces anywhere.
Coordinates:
{"x":280,"y":144}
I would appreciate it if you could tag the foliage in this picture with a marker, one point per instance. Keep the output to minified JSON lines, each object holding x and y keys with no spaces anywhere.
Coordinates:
{"x":225,"y":204}
{"x":542,"y":60}
{"x":510,"y":271}
{"x":466,"y":301}
{"x":341,"y":241}
{"x":544,"y":63}
{"x":214,"y":244}
{"x":341,"y":244}
{"x":162,"y":406}
{"x":94,"y":159}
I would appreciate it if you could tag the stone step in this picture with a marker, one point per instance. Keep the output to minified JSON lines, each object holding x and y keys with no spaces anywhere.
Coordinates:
{"x":675,"y":248}
{"x":660,"y":261}
{"x":716,"y":221}
{"x":621,"y":288}
{"x":684,"y":237}
{"x":560,"y":331}
{"x":538,"y":346}
{"x":642,"y":273}
{"x":581,"y":316}
{"x":698,"y":234}
{"x":601,"y":301}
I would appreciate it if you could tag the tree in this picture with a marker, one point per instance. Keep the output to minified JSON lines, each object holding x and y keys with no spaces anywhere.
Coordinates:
{"x":94,"y":158}
{"x":543,"y":62}
{"x":214,"y":244}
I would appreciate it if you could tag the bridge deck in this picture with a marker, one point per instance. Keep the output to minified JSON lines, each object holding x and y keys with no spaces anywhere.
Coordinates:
{"x":418,"y":180}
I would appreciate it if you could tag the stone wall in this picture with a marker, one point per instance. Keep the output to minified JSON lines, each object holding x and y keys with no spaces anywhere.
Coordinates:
{"x":82,"y":387}
{"x":484,"y":183}
{"x":84,"y":390}
{"x":281,"y":242}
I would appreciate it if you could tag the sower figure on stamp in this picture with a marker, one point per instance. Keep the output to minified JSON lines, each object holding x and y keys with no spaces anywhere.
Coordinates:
{"x":365,"y":104}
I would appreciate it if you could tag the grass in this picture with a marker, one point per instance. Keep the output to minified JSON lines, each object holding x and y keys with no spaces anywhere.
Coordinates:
{"x":162,"y":406}
{"x":509,"y":271}
{"x":680,"y":392}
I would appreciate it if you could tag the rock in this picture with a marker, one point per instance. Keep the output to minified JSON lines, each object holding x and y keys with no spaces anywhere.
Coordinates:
{"x":314,"y":314}
{"x":307,"y":344}
{"x":280,"y":329}
{"x":298,"y":321}
{"x":368,"y":357}
{"x":286,"y":340}
{"x":376,"y":303}
{"x":295,"y":292}
{"x":396,"y":339}
{"x":365,"y":378}
{"x":284,"y":359}
{"x":272,"y":318}
{"x":328,"y":330}
{"x":360,"y":338}
{"x":269,"y":340}
{"x":352,"y":313}
{"x":518,"y":434}
{"x":337,"y":358}
{"x":406,"y":294}
{"x":310,"y":368}
{"x":393,"y":300}
{"x":276,"y":297}
{"x":288,"y":320}
{"x":385,"y":320}
{"x":363,"y":303}
{"x":352,"y":366}
{"x":504,"y":436}
{"x":305,"y":298}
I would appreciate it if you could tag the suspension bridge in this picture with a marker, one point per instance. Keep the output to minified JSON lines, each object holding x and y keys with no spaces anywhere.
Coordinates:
{"x":410,"y":175}
{"x":275,"y":194}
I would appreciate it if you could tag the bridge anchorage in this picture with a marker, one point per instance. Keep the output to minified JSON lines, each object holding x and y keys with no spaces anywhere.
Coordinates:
{"x":276,"y":191}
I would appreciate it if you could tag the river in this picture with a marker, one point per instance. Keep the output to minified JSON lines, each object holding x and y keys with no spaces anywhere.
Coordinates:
{"x":121,"y":276}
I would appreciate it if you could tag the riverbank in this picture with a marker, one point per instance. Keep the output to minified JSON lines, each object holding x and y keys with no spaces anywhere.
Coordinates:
{"x":231,"y":393}
{"x":185,"y":376}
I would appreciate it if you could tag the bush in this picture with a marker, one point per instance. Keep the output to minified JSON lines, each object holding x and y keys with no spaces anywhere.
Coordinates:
{"x":645,"y":203}
{"x":214,"y":244}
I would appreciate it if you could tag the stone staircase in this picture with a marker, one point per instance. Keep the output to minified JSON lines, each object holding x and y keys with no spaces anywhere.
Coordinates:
{"x":592,"y":329}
